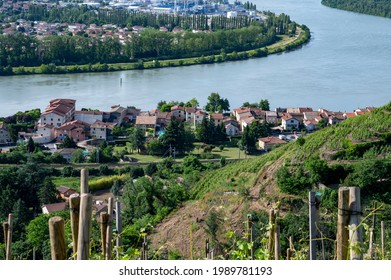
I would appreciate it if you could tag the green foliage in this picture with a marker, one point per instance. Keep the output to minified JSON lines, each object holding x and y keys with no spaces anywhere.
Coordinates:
{"x":216,"y":104}
{"x":106,"y":183}
{"x":377,"y":8}
{"x":137,"y":139}
{"x":294,"y":182}
{"x":191,"y":163}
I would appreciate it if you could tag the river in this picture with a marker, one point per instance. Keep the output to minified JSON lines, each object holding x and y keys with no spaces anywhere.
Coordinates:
{"x":346,"y":65}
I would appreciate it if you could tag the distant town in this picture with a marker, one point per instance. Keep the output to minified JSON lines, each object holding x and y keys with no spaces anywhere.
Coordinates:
{"x":37,"y":28}
{"x":61,"y":119}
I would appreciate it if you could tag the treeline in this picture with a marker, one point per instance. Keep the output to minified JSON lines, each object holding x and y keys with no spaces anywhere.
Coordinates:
{"x":86,"y":15}
{"x":20,"y":50}
{"x":372,"y":7}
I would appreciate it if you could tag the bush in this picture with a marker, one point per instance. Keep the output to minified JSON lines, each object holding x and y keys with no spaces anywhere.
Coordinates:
{"x":106,"y":182}
{"x":68,"y":171}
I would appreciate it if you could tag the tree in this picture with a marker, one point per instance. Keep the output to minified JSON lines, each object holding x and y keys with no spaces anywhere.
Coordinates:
{"x":205,"y":131}
{"x":56,"y":157}
{"x":47,"y":193}
{"x":216,"y":103}
{"x":264,"y":105}
{"x":68,"y":143}
{"x":176,"y":138}
{"x":30,"y":146}
{"x":77,"y":156}
{"x":247,"y":141}
{"x":191,"y":163}
{"x":137,"y":139}
{"x":192,"y":103}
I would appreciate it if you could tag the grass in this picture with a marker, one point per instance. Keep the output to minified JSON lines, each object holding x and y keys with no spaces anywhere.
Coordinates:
{"x":69,"y":182}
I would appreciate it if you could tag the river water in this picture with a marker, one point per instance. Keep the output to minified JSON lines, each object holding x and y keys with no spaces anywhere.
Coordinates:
{"x":346,"y":65}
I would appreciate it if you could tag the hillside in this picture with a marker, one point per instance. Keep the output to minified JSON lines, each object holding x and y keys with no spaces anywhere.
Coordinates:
{"x":355,"y":152}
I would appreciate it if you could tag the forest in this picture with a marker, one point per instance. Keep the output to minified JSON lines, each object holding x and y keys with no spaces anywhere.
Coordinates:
{"x":371,"y":7}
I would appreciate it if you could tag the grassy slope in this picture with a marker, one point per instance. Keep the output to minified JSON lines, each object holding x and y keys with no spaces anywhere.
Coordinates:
{"x":222,"y":189}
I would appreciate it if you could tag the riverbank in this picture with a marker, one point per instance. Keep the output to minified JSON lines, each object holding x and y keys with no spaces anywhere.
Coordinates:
{"x":286,"y":43}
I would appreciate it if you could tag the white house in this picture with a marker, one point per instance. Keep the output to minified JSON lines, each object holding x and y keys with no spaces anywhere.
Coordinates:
{"x":89,"y":116}
{"x":44,"y":134}
{"x":101,"y":130}
{"x":58,"y":112}
{"x":289,"y":123}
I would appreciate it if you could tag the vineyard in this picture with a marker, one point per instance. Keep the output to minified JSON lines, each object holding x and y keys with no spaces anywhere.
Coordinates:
{"x":288,"y":204}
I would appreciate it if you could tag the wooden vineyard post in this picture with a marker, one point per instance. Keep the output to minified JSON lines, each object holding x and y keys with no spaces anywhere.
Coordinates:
{"x":355,"y":231}
{"x":84,"y":181}
{"x":312,"y":218}
{"x":84,"y":226}
{"x":118,"y":225}
{"x":104,"y":217}
{"x":383,"y":239}
{"x":207,"y":250}
{"x":57,"y":238}
{"x":74,"y":208}
{"x":342,"y":226}
{"x":277,"y":245}
{"x":250,"y":233}
{"x":109,"y":233}
{"x":5,"y":228}
{"x":144,"y":249}
{"x":9,"y":237}
{"x":289,"y":251}
{"x":272,"y":220}
{"x":8,"y":255}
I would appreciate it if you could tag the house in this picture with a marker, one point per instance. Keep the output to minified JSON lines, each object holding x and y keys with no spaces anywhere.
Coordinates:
{"x":102,"y":130}
{"x":259,"y":114}
{"x":310,"y":125}
{"x":349,"y":115}
{"x":178,"y":113}
{"x":271,"y":117}
{"x":53,"y":207}
{"x":67,"y":153}
{"x":244,"y":122}
{"x":190,"y":113}
{"x":336,"y":118}
{"x":217,"y":118}
{"x":299,"y":110}
{"x":89,"y":116}
{"x":5,"y":138}
{"x":131,"y":114}
{"x":231,"y":129}
{"x":58,"y":112}
{"x":242,"y":112}
{"x":64,"y":192}
{"x":77,"y":130}
{"x":44,"y":134}
{"x":198,"y":117}
{"x":163,"y":118}
{"x":147,"y":123}
{"x":289,"y":123}
{"x":117,"y":114}
{"x":270,"y":142}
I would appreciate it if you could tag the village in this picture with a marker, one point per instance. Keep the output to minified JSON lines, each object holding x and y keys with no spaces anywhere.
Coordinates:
{"x":61,"y":119}
{"x":40,"y":29}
